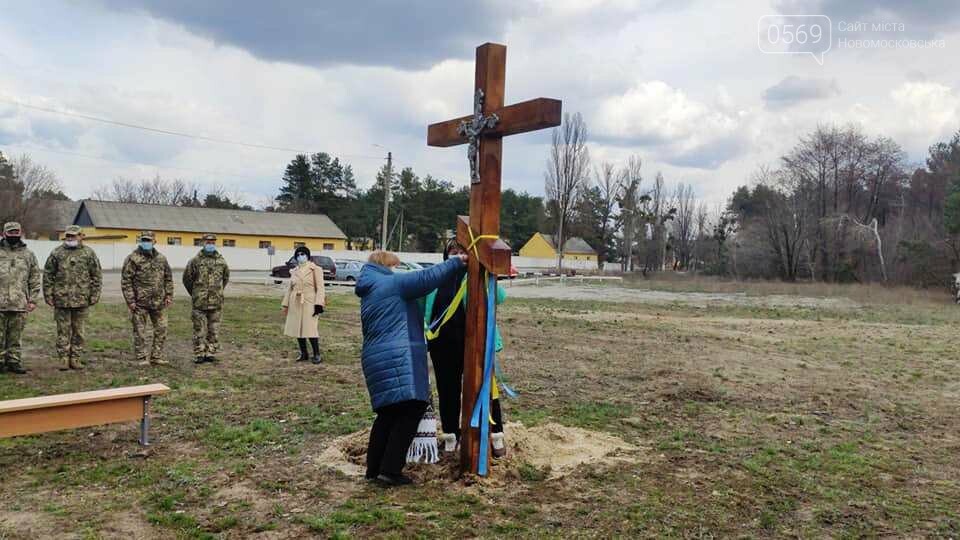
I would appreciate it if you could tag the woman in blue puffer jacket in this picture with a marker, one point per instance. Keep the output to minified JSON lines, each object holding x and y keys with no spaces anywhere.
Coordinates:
{"x":395,"y":356}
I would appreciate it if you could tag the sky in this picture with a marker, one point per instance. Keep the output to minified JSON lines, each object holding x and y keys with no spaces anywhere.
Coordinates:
{"x":682,"y":84}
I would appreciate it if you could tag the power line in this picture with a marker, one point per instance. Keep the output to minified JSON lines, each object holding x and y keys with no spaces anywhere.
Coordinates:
{"x":169,"y":132}
{"x":130,"y":162}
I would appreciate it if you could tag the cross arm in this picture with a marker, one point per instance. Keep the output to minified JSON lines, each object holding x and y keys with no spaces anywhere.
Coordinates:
{"x":521,"y":117}
{"x":494,"y":254}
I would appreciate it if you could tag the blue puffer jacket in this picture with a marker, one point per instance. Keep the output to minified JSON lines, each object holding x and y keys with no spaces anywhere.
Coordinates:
{"x":394,"y":350}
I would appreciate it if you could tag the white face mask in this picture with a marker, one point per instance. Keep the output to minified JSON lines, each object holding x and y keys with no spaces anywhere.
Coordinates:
{"x":302,"y":259}
{"x":72,"y":243}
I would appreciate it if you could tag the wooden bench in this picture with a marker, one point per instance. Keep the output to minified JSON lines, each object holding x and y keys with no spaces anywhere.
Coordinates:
{"x":67,"y":411}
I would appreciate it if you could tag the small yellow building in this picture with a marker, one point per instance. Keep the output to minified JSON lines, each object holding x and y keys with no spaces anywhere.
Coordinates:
{"x":109,"y":222}
{"x":543,"y":246}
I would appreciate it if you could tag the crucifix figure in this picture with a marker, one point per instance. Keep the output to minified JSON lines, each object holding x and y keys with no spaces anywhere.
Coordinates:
{"x":483,"y":132}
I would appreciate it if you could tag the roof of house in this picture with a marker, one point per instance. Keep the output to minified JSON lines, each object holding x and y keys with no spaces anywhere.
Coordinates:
{"x":56,"y":215}
{"x":115,"y":215}
{"x":572,"y":245}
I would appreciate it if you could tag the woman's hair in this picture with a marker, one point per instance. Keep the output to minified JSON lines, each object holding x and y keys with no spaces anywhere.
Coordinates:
{"x":302,"y":249}
{"x":384,"y":258}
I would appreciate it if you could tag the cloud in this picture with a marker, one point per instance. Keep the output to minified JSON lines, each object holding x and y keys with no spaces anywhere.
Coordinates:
{"x":793,"y":90}
{"x":404,"y":35}
{"x":919,"y":16}
{"x":685,"y":132}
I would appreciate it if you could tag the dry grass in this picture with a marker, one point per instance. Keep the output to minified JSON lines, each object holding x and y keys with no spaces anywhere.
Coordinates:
{"x":751,"y":422}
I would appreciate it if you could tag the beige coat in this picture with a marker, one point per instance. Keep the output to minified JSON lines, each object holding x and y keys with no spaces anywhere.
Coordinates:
{"x":304,"y":291}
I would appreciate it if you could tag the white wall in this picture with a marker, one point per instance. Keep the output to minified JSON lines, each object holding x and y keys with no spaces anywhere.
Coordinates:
{"x":112,"y":256}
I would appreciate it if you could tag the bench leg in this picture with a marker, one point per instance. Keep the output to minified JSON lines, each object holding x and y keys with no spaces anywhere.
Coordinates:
{"x":145,"y":423}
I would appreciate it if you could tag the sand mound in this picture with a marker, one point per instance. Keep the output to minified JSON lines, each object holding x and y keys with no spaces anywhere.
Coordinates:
{"x":552,"y":449}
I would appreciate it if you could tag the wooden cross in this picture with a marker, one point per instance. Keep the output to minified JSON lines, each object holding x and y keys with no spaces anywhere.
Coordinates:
{"x":483,"y":131}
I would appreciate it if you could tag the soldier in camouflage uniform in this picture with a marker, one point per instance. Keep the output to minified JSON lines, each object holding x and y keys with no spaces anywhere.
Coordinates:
{"x":19,"y":294}
{"x":147,"y":285}
{"x":205,"y":277}
{"x":71,"y":284}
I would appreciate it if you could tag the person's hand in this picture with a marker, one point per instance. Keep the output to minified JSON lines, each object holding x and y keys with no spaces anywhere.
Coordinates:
{"x":167,"y":301}
{"x":132,"y":307}
{"x":317,"y":310}
{"x":50,"y":303}
{"x":30,"y":307}
{"x":284,"y":310}
{"x":464,"y":257}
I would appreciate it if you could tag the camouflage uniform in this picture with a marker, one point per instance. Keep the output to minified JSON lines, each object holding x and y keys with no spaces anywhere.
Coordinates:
{"x":205,"y":277}
{"x":19,"y":286}
{"x":147,"y":284}
{"x":72,"y":282}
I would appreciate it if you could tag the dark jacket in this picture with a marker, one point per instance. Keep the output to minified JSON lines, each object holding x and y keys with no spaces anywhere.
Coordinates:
{"x":394,"y":354}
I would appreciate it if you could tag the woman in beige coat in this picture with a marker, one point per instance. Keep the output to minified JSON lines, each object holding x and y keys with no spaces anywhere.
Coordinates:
{"x":303,"y":303}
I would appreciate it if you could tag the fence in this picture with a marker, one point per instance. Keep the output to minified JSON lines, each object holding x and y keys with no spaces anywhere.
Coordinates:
{"x":112,"y":257}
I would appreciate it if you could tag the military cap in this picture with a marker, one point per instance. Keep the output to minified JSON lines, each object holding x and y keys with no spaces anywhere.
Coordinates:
{"x":11,"y":226}
{"x":209,"y":237}
{"x":146,"y":234}
{"x":73,"y":230}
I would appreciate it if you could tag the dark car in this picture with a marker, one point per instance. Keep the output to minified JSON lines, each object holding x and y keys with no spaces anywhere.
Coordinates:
{"x":329,"y":267}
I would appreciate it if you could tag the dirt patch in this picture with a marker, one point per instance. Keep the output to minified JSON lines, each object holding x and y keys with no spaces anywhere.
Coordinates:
{"x":552,"y":448}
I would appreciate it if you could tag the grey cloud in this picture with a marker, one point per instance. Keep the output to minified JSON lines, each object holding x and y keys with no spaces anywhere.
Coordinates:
{"x":920,"y":17}
{"x":793,"y":90}
{"x":405,"y":35}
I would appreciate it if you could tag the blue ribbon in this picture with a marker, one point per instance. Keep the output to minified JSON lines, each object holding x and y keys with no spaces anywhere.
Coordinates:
{"x":482,"y":408}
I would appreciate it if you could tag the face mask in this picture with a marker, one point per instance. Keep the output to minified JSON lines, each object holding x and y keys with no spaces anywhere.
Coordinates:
{"x":146,"y":245}
{"x":301,"y":259}
{"x":209,"y":248}
{"x":72,"y":243}
{"x":13,"y":240}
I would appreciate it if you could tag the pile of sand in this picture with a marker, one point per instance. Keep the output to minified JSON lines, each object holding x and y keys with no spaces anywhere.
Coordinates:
{"x":554,"y":449}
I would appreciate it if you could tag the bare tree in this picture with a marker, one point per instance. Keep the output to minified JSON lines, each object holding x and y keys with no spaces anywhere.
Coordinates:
{"x":149,"y":191}
{"x":629,"y":202}
{"x":24,"y":191}
{"x":701,"y":219}
{"x":610,"y":185}
{"x":683,"y":225}
{"x":567,"y":170}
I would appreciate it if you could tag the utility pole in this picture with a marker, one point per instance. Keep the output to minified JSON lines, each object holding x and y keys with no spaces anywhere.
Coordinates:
{"x":386,"y":200}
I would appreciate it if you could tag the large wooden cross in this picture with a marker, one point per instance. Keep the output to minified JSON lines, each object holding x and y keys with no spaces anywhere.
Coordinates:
{"x":483,"y":132}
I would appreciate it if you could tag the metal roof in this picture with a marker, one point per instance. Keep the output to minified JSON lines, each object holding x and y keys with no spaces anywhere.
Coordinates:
{"x":115,"y":215}
{"x":572,"y":245}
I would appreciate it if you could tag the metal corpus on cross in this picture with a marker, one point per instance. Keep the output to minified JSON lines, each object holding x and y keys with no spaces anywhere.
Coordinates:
{"x":483,"y":132}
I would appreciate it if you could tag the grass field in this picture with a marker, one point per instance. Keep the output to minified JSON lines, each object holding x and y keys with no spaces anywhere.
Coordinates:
{"x":751,"y":421}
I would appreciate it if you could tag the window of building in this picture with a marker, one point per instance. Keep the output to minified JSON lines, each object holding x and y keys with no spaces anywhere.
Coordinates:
{"x":328,"y":247}
{"x":198,"y":241}
{"x":174,"y":241}
{"x":264,"y":244}
{"x":299,"y":244}
{"x":229,"y":243}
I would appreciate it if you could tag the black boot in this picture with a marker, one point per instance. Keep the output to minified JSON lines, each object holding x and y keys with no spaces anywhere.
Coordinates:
{"x":302,"y":343}
{"x":199,"y":360}
{"x":315,"y":345}
{"x":393,"y":480}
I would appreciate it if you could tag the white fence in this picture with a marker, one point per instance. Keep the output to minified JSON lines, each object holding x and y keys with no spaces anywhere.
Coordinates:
{"x":112,"y":256}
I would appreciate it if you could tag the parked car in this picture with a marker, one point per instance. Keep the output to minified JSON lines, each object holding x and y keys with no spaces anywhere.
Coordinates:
{"x":348,"y":270}
{"x":407,"y":267}
{"x":329,"y":267}
{"x":512,"y":275}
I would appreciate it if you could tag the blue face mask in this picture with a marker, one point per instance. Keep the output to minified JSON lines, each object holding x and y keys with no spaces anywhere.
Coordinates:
{"x":209,"y":248}
{"x":146,"y":245}
{"x":301,"y":259}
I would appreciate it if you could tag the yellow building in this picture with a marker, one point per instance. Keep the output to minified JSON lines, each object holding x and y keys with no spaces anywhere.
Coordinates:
{"x":543,"y":246}
{"x":109,"y":222}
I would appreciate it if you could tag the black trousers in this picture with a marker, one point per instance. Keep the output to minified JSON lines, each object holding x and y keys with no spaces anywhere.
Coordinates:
{"x":393,"y":431}
{"x":447,"y":361}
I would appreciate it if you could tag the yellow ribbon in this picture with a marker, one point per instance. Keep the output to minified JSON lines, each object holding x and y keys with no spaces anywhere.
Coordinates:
{"x":452,"y":308}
